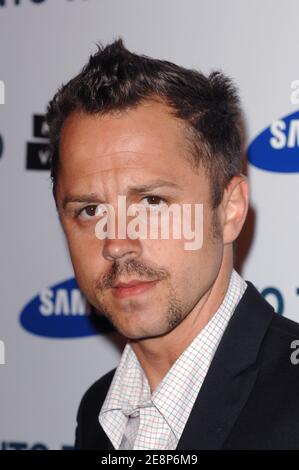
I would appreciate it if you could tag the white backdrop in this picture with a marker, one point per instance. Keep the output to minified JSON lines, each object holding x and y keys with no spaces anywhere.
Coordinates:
{"x":44,"y":43}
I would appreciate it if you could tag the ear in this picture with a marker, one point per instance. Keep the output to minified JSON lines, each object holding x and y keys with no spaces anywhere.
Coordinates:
{"x":234,"y":207}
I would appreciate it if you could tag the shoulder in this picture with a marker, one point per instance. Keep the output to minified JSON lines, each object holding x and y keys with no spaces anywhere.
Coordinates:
{"x":279,"y":352}
{"x":255,"y":305}
{"x":285,"y":327}
{"x":256,"y":327}
{"x":282,"y":337}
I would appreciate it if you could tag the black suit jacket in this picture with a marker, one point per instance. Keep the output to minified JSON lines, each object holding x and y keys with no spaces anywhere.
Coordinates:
{"x":249,"y":398}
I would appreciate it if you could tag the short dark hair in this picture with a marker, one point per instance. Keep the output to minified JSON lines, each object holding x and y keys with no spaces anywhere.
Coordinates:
{"x":116,"y":79}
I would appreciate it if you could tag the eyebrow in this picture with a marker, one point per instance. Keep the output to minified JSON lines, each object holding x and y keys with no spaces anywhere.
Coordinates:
{"x":132,"y":191}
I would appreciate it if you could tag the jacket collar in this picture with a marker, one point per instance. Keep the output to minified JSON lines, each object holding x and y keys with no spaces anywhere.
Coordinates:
{"x":231,"y":376}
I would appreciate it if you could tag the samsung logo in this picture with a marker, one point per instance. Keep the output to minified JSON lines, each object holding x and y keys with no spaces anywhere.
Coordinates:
{"x":277,"y":147}
{"x":62,"y":311}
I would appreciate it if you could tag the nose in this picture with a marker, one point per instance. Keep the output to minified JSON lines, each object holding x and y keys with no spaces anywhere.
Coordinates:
{"x":121,"y":249}
{"x":118,"y":245}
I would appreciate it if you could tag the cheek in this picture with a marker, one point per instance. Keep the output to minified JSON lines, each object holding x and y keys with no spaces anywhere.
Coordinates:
{"x":85,"y":254}
{"x":164,"y":253}
{"x":171,"y":255}
{"x":196,"y":268}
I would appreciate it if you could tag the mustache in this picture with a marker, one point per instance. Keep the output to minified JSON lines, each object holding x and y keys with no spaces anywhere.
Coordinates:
{"x":143,"y":272}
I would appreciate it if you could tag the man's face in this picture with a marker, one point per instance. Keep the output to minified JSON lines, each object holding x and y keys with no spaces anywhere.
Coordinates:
{"x":103,"y":157}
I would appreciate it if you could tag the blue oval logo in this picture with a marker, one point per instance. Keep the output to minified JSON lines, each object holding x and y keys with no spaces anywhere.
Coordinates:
{"x":277,"y":147}
{"x":62,"y":311}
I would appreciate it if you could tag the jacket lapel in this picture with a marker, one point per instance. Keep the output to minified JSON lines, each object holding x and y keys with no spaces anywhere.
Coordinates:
{"x":231,"y":376}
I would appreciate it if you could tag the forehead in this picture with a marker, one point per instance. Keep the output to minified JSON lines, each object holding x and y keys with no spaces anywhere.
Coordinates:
{"x":147,"y":130}
{"x":113,"y":150}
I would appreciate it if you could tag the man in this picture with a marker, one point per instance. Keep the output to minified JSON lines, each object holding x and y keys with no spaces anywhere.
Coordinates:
{"x":207,"y":363}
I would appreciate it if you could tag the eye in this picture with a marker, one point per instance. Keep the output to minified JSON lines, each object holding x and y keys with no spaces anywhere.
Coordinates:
{"x":91,"y":211}
{"x":153,"y":201}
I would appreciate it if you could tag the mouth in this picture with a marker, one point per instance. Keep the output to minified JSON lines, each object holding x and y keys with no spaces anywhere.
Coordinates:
{"x":134,"y":287}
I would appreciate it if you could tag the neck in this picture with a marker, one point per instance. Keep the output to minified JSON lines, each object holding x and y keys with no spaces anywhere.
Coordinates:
{"x":157,"y":355}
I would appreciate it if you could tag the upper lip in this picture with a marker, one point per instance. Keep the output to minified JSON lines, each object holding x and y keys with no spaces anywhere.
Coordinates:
{"x":131,"y":283}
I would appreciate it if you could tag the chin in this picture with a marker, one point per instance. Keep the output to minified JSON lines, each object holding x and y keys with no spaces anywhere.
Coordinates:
{"x":142,"y":333}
